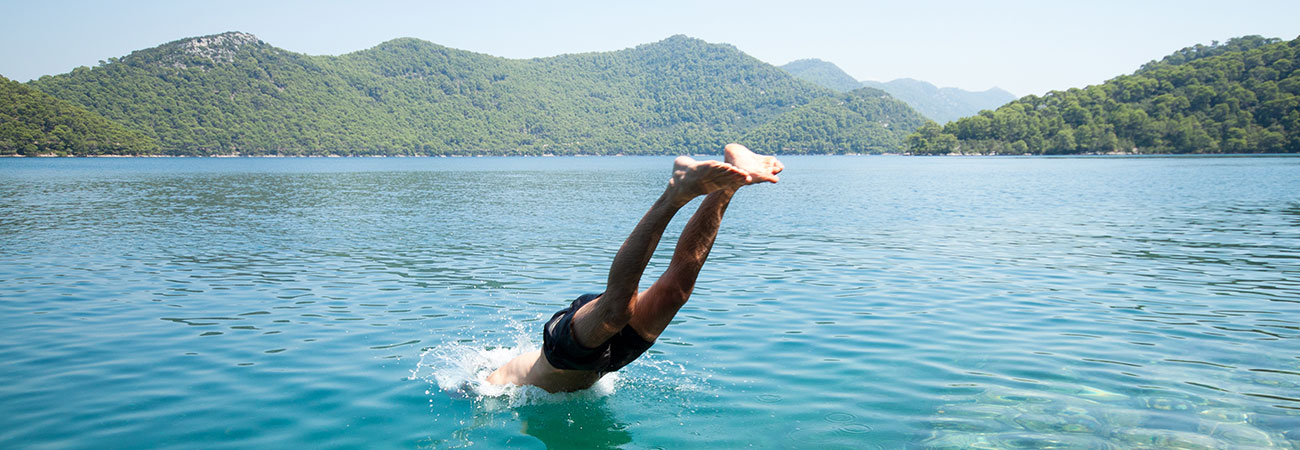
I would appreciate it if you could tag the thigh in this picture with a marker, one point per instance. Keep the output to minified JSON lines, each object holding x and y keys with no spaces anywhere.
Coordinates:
{"x":654,"y":310}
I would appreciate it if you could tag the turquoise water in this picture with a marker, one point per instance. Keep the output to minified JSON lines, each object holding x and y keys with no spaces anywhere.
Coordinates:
{"x":864,"y":302}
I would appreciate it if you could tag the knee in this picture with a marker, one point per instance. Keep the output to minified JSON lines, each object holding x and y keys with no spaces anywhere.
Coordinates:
{"x":672,"y":293}
{"x":618,"y":320}
{"x":615,"y":310}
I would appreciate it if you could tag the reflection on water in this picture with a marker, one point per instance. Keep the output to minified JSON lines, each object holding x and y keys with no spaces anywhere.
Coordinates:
{"x":863,"y":302}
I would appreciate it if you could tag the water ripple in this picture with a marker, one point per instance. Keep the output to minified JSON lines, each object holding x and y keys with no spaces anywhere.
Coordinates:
{"x":862,"y":302}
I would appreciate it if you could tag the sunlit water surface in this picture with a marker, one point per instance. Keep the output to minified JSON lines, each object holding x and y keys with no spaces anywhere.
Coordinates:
{"x":863,"y":302}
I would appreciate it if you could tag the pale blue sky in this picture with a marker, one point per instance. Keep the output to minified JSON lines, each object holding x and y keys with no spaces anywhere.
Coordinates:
{"x":1026,"y":47}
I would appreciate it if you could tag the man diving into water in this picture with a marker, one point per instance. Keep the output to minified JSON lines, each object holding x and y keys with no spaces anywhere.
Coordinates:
{"x":601,"y":333}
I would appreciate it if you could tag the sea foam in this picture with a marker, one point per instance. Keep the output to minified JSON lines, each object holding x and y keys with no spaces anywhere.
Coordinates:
{"x":460,"y":369}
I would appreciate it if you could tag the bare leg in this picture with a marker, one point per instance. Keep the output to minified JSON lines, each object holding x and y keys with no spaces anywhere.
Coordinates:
{"x":655,"y":308}
{"x":600,"y":319}
{"x":604,"y":317}
{"x":650,"y":312}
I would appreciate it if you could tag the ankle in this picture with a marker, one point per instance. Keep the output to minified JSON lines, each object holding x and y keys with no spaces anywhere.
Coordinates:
{"x":672,"y":200}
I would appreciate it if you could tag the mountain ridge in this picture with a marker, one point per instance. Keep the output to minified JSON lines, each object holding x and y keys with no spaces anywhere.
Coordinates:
{"x":232,"y":93}
{"x":939,"y":104}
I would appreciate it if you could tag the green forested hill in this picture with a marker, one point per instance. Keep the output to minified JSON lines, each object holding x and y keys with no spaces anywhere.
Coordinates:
{"x":34,"y":123}
{"x":680,"y":94}
{"x":1242,"y":96}
{"x":938,"y":104}
{"x":232,"y":93}
{"x":225,"y":93}
{"x":822,"y":73}
{"x":862,"y":121}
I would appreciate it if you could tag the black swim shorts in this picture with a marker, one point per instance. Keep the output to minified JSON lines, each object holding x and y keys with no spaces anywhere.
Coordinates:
{"x":563,"y":352}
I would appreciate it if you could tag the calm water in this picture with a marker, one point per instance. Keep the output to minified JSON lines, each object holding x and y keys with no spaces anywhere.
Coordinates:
{"x":864,"y":302}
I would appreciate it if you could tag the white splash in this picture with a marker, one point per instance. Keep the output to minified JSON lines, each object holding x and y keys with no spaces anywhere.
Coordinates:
{"x":461,"y":370}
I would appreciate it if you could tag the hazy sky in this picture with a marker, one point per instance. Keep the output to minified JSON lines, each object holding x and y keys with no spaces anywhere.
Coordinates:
{"x":1026,"y":47}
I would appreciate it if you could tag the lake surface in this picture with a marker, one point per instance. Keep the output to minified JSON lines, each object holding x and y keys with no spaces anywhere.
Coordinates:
{"x":863,"y":302}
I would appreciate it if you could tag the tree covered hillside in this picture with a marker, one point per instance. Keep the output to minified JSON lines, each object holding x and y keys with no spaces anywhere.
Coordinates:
{"x":231,"y":93}
{"x":34,"y":123}
{"x":1242,"y":96}
{"x":822,"y":73}
{"x":862,"y":121}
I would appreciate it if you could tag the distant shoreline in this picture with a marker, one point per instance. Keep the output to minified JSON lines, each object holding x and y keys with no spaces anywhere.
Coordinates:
{"x":1079,"y":155}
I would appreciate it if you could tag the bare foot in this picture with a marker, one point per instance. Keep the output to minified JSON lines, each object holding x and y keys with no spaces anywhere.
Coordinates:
{"x":761,"y":168}
{"x":693,"y":178}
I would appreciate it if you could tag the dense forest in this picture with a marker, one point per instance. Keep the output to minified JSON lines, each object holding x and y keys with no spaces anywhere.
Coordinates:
{"x":862,"y":121}
{"x":1242,"y":96}
{"x":822,"y":73}
{"x":232,"y":93}
{"x":34,"y":123}
{"x":938,"y":104}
